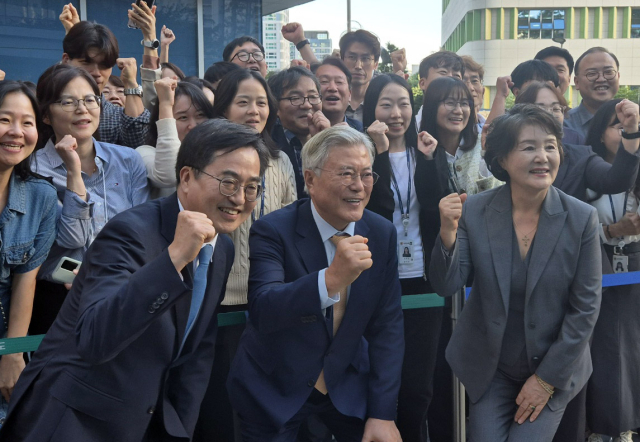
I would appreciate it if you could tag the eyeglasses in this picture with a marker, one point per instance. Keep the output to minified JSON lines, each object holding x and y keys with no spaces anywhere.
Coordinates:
{"x":347,"y":178}
{"x":353,"y":59}
{"x":555,"y":109}
{"x":71,"y":104}
{"x":244,"y":56}
{"x":453,"y":104}
{"x":299,"y":101}
{"x":230,"y":186}
{"x":607,"y":74}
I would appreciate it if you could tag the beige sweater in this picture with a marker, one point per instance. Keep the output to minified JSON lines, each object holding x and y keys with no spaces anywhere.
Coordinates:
{"x":280,"y":191}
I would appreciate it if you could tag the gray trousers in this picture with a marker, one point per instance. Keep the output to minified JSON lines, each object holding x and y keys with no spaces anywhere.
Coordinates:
{"x":491,"y":419}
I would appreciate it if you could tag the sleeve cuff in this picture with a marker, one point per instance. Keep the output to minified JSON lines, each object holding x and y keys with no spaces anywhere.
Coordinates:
{"x":150,"y":62}
{"x":76,"y":207}
{"x":326,"y":301}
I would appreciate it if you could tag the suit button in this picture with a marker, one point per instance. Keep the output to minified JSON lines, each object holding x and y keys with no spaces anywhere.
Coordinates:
{"x":311,"y":382}
{"x":159,"y":301}
{"x":151,"y":309}
{"x":535,"y":359}
{"x":532,"y":325}
{"x":155,"y":305}
{"x":164,"y":295}
{"x":151,"y":410}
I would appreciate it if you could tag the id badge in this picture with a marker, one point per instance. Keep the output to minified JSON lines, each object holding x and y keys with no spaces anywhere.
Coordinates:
{"x":620,"y":263}
{"x":405,"y":252}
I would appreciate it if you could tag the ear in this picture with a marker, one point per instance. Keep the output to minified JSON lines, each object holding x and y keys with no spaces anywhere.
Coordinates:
{"x":515,"y":91}
{"x":309,"y":180}
{"x":46,"y":119}
{"x":423,"y":84}
{"x":65,"y":58}
{"x":576,"y":82}
{"x":375,"y":66}
{"x":186,"y":178}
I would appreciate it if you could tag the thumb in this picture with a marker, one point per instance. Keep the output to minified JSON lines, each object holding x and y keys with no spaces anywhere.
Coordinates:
{"x":463,"y":198}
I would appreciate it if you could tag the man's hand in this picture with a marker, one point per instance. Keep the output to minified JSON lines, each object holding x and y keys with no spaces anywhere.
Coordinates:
{"x":628,"y":115}
{"x":450,"y":212}
{"x":352,"y":258}
{"x":69,"y":17}
{"x":531,"y":394}
{"x":2,"y":75}
{"x":145,"y":18}
{"x":399,"y":60}
{"x":627,"y":226}
{"x":503,"y":86}
{"x":293,"y":32}
{"x":377,"y":430}
{"x":129,"y":70}
{"x":378,"y":133}
{"x":317,"y":123}
{"x":427,"y":144}
{"x":166,"y":36}
{"x":66,"y":149}
{"x":10,"y":368}
{"x":192,"y":231}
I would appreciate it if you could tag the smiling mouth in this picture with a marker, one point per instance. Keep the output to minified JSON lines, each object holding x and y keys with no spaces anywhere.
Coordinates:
{"x":11,"y":146}
{"x":395,"y":125}
{"x":82,"y":122}
{"x":539,"y":171}
{"x":332,"y":98}
{"x":602,"y":88}
{"x":229,"y":211}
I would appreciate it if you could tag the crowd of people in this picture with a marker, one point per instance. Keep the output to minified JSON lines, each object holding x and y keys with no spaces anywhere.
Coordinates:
{"x":316,"y":203}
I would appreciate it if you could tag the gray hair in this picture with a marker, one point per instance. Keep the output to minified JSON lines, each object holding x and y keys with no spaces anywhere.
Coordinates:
{"x":316,"y":151}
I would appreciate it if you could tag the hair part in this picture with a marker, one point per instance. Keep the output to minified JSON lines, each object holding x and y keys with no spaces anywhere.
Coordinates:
{"x":530,"y":93}
{"x":505,"y":130}
{"x":86,"y":35}
{"x":288,"y":78}
{"x":595,"y":50}
{"x":441,"y":59}
{"x":237,"y":42}
{"x":554,"y":51}
{"x":533,"y":70}
{"x":366,"y":38}
{"x":174,"y":68}
{"x":338,"y":63}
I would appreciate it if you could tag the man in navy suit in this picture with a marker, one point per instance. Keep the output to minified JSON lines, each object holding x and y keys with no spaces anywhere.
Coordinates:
{"x":130,"y":353}
{"x":325,"y":333}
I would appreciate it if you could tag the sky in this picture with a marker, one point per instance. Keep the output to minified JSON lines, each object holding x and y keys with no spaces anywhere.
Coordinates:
{"x":412,"y":24}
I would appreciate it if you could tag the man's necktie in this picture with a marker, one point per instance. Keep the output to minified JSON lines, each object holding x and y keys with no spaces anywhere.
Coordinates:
{"x":199,"y":287}
{"x":338,"y":313}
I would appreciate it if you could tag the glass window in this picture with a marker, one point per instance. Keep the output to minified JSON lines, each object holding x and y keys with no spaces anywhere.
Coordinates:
{"x":271,"y":27}
{"x":635,"y":23}
{"x":540,"y":23}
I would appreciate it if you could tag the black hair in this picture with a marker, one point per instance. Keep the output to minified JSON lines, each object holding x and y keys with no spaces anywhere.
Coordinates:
{"x":50,"y":85}
{"x":594,"y":50}
{"x":534,"y":70}
{"x":174,"y":68}
{"x":217,"y":70}
{"x":85,"y":35}
{"x":199,"y":147}
{"x":378,"y":83}
{"x":184,"y":88}
{"x":116,"y":81}
{"x":23,"y":168}
{"x":200,"y":82}
{"x":530,"y":93}
{"x":288,"y":78}
{"x":360,"y":36}
{"x":554,"y":51}
{"x":505,"y":130}
{"x":335,"y":61}
{"x":439,"y":90}
{"x":600,"y":122}
{"x":227,"y":91}
{"x":236,"y":42}
{"x":441,"y":59}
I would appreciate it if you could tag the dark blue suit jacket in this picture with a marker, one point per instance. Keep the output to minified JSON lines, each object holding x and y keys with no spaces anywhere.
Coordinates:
{"x":288,"y":340}
{"x":109,"y":363}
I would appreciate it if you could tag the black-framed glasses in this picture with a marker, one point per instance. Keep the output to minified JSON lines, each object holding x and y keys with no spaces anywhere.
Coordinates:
{"x":299,"y":101}
{"x":607,"y":74}
{"x":244,"y":56}
{"x":71,"y":104}
{"x":347,"y":177}
{"x":230,"y":186}
{"x":354,"y":59}
{"x":453,"y":104}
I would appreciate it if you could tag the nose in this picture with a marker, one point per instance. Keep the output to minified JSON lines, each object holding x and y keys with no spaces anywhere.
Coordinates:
{"x":306,"y":105}
{"x":83,"y":109}
{"x":238,"y":198}
{"x":14,"y":129}
{"x":395,"y":111}
{"x":253,"y":109}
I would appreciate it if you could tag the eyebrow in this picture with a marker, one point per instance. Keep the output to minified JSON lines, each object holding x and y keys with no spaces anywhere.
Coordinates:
{"x":249,"y":96}
{"x":236,"y":175}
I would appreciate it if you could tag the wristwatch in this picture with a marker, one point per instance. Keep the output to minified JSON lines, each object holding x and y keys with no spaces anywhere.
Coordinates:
{"x":302,"y":44}
{"x":134,"y":91}
{"x":155,"y":44}
{"x":632,"y":136}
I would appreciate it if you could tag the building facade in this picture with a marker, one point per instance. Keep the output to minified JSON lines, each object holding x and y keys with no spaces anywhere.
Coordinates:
{"x":500,"y":34}
{"x":320,"y":43}
{"x":276,"y":48}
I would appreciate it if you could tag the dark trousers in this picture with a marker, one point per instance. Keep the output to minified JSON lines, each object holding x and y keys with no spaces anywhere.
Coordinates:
{"x":421,"y":336}
{"x":47,"y":300}
{"x":344,"y":428}
{"x":574,"y":421}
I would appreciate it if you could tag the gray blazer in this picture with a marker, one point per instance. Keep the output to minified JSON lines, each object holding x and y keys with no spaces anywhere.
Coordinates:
{"x":563,"y":292}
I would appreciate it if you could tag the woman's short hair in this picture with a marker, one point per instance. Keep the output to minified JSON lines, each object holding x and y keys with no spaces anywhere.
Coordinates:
{"x":116,"y":81}
{"x":505,"y":130}
{"x":219,"y":69}
{"x":23,"y":168}
{"x":605,"y":116}
{"x":227,"y":91}
{"x":50,"y":86}
{"x":184,"y":88}
{"x":438,"y":91}
{"x":174,"y":68}
{"x":530,"y":93}
{"x":371,"y":102}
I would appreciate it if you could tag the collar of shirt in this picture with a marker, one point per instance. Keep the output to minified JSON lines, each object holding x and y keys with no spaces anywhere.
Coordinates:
{"x":453,"y":158}
{"x":325,"y":229}
{"x":212,"y":242}
{"x":581,"y":114}
{"x":56,"y":161}
{"x":349,"y":108}
{"x":17,"y":195}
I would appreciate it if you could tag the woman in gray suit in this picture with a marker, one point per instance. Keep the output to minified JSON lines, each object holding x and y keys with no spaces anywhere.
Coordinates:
{"x":521,"y":347}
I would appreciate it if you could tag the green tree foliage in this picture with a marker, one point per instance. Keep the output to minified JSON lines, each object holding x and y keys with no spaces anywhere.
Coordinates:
{"x":385,"y":58}
{"x":629,"y":92}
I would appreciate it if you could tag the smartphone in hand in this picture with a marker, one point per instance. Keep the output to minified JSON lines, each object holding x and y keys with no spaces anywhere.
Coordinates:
{"x":149,"y":3}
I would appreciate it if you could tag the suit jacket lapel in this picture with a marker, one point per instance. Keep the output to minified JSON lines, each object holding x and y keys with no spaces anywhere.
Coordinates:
{"x":309,"y":243}
{"x":499,"y":222}
{"x":562,"y":170}
{"x":550,"y":225}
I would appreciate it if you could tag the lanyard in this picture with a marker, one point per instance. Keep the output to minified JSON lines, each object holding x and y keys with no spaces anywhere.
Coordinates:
{"x":404,"y":215}
{"x":453,"y":182}
{"x":264,"y":190}
{"x":624,"y":208}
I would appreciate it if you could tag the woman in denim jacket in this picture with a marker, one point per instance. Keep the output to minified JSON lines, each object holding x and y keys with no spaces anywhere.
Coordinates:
{"x":27,"y":223}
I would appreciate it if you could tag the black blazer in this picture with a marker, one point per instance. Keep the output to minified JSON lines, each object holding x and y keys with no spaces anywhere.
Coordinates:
{"x":278,"y":136}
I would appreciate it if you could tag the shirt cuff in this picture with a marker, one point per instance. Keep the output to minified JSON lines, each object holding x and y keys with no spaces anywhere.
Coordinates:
{"x":326,"y":301}
{"x":150,"y":62}
{"x":75,"y":207}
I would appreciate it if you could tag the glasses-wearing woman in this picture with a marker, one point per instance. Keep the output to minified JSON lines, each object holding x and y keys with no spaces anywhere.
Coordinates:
{"x":582,"y":169}
{"x":95,"y":180}
{"x":613,"y":402}
{"x":521,"y":346}
{"x":243,"y":97}
{"x":27,"y":223}
{"x":181,"y":106}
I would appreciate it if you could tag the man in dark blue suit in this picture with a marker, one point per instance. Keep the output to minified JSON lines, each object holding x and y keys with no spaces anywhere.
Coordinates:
{"x":325,"y":330}
{"x":130,"y":353}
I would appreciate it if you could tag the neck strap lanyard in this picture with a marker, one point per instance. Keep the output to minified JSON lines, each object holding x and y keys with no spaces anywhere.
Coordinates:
{"x":624,"y":208}
{"x":264,"y":190}
{"x":404,"y":215}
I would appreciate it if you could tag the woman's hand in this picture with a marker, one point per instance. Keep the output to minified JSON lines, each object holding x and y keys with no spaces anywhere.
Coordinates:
{"x":503,"y":86}
{"x":427,"y":144}
{"x":378,"y":133}
{"x":628,"y":114}
{"x":10,"y":368}
{"x":531,"y":395}
{"x":166,"y":90}
{"x":450,"y":212}
{"x":166,"y":36}
{"x":66,"y":149}
{"x":145,"y":18}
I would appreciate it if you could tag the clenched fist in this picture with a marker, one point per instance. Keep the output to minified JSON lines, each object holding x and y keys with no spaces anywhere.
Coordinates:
{"x":192,"y":231}
{"x":352,"y":258}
